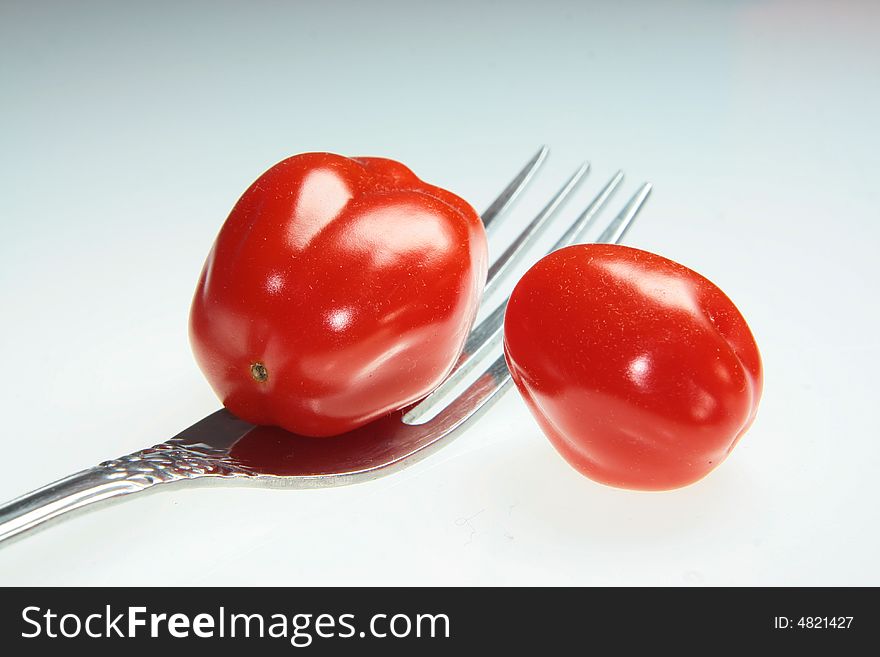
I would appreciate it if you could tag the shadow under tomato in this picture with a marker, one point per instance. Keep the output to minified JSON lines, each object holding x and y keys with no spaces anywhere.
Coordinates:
{"x":561,"y":502}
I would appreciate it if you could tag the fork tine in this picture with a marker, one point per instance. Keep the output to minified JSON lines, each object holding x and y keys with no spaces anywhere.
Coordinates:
{"x":484,"y":342}
{"x":620,"y":224}
{"x":502,"y":269}
{"x":583,"y":223}
{"x":577,"y":229}
{"x":512,"y":191}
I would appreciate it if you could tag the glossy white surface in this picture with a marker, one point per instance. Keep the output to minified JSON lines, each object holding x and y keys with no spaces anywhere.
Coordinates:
{"x":129,"y":131}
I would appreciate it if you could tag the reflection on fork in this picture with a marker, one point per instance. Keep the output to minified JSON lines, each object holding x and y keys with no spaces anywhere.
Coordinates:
{"x":223,"y":449}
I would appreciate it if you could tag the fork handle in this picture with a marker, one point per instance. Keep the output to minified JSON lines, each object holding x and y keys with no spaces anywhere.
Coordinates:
{"x":174,"y":460}
{"x":73,"y":492}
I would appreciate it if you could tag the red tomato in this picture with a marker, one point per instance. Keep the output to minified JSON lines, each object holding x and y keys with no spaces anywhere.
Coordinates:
{"x":338,"y":290}
{"x":641,"y":372}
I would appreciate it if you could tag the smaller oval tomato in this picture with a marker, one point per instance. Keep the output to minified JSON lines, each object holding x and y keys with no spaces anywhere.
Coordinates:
{"x":642,"y":373}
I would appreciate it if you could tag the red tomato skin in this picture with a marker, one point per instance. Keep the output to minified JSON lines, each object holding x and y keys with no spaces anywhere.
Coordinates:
{"x":352,"y":282}
{"x":640,"y":371}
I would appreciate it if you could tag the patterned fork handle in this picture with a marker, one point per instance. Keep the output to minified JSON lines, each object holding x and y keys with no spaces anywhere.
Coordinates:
{"x":171,"y":461}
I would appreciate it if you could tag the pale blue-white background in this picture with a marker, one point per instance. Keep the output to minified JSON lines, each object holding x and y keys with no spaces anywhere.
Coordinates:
{"x":128,"y":130}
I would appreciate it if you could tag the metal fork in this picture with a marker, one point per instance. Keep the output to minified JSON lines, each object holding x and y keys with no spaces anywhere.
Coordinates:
{"x":223,"y":449}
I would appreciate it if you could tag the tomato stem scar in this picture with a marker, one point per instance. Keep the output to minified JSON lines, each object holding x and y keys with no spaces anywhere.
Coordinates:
{"x":259,"y":372}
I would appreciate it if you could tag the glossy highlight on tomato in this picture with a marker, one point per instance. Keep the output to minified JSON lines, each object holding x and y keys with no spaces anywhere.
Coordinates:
{"x":338,"y":290}
{"x":640,"y":371}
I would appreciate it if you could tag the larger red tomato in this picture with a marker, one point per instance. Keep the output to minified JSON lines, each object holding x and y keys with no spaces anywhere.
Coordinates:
{"x":641,"y":372}
{"x":338,"y":290}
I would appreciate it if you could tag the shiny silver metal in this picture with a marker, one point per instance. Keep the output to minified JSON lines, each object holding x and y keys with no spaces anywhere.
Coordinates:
{"x":223,"y":449}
